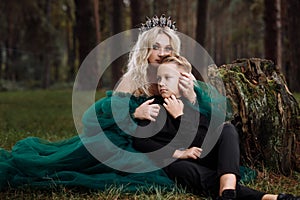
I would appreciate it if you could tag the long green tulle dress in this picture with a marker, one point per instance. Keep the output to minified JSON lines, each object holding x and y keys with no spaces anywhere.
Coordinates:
{"x":72,"y":162}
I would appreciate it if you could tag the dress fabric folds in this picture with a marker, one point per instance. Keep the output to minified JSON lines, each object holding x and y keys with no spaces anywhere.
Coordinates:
{"x":100,"y":157}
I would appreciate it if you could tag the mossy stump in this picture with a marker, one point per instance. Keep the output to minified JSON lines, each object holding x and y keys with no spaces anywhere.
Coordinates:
{"x":265,"y":113}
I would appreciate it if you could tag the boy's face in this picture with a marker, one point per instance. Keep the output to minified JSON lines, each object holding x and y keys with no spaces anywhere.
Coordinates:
{"x":168,"y":78}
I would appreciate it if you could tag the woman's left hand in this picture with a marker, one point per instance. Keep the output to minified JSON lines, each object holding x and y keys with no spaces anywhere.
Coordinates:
{"x":186,"y":86}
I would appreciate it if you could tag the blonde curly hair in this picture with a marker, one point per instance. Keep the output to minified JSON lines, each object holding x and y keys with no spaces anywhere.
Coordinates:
{"x":138,"y":57}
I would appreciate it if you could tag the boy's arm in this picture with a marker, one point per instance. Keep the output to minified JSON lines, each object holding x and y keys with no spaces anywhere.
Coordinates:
{"x":147,"y":145}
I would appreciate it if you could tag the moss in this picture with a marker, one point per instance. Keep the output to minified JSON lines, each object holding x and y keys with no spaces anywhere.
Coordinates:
{"x":263,"y":110}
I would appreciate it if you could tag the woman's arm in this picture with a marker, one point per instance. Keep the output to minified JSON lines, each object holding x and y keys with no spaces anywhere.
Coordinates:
{"x":147,"y":111}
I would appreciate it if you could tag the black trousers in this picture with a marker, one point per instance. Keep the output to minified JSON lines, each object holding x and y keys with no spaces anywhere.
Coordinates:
{"x":202,"y":176}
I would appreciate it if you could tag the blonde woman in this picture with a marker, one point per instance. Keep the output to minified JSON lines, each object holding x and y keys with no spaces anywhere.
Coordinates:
{"x":140,"y":79}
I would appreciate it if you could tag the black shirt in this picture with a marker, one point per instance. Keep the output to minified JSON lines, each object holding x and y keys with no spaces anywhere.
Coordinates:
{"x":167,"y":134}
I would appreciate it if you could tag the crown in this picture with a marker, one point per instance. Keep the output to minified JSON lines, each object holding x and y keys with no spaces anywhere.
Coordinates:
{"x":160,"y":22}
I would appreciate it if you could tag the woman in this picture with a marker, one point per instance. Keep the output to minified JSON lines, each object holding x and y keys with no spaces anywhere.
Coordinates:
{"x":71,"y":162}
{"x":140,"y":79}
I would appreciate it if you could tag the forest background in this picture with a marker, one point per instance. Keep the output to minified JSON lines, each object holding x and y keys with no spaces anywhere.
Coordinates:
{"x":44,"y":42}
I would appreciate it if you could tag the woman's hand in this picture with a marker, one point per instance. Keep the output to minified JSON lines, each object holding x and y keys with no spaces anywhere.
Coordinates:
{"x":147,"y":111}
{"x":186,"y":86}
{"x":193,"y":152}
{"x":174,"y":106}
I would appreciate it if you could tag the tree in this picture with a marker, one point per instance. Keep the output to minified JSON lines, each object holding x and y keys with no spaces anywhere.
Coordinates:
{"x":85,"y":34}
{"x":11,"y":36}
{"x":202,"y":6}
{"x":97,"y":21}
{"x":85,"y":27}
{"x":265,"y":113}
{"x":271,"y":31}
{"x":118,"y":64}
{"x":70,"y":38}
{"x":201,"y":21}
{"x":293,"y":35}
{"x":46,"y":60}
{"x":139,"y":11}
{"x":161,"y":7}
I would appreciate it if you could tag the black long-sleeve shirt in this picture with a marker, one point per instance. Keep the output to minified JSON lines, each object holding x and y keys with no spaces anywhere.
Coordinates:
{"x":167,"y":134}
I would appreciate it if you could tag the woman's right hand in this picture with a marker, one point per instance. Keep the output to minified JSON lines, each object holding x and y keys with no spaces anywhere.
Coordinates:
{"x":186,"y":86}
{"x":147,"y":111}
{"x":193,"y":152}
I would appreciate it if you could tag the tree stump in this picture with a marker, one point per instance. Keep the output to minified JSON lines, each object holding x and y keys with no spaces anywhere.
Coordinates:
{"x":265,"y":113}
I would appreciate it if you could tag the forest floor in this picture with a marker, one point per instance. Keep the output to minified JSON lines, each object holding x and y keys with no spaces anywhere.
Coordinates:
{"x":48,"y":114}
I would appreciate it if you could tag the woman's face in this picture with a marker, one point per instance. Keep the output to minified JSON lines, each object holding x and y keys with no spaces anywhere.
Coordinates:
{"x":160,"y":49}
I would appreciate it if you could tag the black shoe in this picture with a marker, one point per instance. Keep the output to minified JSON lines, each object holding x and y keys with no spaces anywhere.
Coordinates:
{"x":287,"y":197}
{"x":228,"y":195}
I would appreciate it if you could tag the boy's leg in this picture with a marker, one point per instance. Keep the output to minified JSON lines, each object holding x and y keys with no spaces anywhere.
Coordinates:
{"x":194,"y":177}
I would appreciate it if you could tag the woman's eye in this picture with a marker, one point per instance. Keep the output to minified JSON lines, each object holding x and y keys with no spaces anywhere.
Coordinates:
{"x":155,"y":47}
{"x":168,"y":49}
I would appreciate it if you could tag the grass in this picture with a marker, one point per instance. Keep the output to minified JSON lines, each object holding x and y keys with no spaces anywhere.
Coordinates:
{"x":48,"y":114}
{"x":297,"y":96}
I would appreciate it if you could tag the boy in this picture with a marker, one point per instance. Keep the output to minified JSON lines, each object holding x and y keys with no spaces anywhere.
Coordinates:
{"x":179,"y":128}
{"x":173,"y":141}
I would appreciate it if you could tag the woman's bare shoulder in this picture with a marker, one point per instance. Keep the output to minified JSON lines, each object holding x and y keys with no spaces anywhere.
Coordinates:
{"x":124,"y":85}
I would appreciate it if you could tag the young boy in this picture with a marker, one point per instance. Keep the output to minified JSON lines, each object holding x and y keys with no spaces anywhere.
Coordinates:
{"x":174,"y":140}
{"x":177,"y":117}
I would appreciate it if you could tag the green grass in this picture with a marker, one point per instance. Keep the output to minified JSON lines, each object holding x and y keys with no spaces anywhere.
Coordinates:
{"x":48,"y":114}
{"x":297,"y":96}
{"x":45,"y":114}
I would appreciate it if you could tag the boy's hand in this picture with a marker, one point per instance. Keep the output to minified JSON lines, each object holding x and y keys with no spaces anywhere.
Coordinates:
{"x":193,"y":152}
{"x":174,"y":106}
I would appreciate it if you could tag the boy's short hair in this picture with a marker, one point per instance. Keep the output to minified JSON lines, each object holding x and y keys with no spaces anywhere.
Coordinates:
{"x":180,"y":61}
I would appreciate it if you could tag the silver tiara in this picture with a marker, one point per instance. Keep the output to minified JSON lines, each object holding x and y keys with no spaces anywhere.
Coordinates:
{"x":155,"y":21}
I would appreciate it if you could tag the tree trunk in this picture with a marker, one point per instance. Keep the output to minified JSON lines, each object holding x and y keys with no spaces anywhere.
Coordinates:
{"x":265,"y":113}
{"x":71,"y":44}
{"x":97,"y":21}
{"x":119,"y":63}
{"x":46,"y":73}
{"x":139,"y":11}
{"x":279,"y":35}
{"x":200,"y":32}
{"x":293,"y":20}
{"x":201,"y":21}
{"x":161,"y":7}
{"x":85,"y":32}
{"x":270,"y":15}
{"x":85,"y":28}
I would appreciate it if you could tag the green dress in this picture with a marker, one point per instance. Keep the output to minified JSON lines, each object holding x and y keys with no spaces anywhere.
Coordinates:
{"x":72,"y":162}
